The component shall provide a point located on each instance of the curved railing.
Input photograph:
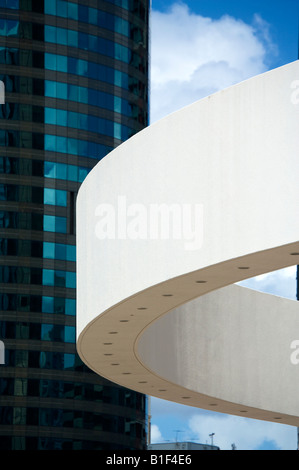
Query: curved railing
(167, 223)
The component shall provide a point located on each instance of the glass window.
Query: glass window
(50, 142)
(60, 251)
(70, 279)
(48, 277)
(50, 169)
(13, 4)
(69, 334)
(60, 225)
(72, 65)
(93, 96)
(54, 224)
(50, 7)
(62, 8)
(50, 34)
(50, 116)
(73, 119)
(117, 104)
(50, 88)
(73, 93)
(2, 27)
(61, 63)
(62, 36)
(72, 11)
(87, 122)
(61, 90)
(70, 306)
(61, 144)
(72, 147)
(83, 13)
(83, 41)
(72, 38)
(48, 305)
(49, 250)
(92, 43)
(82, 67)
(61, 117)
(72, 173)
(71, 252)
(92, 16)
(50, 61)
(52, 332)
(49, 196)
(55, 197)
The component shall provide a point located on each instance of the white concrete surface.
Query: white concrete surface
(145, 319)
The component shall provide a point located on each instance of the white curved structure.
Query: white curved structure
(159, 313)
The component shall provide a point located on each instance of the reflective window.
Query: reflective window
(53, 277)
(88, 96)
(9, 28)
(59, 305)
(13, 4)
(82, 67)
(59, 251)
(54, 224)
(93, 15)
(55, 197)
(87, 122)
(51, 360)
(76, 147)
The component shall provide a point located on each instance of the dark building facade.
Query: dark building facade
(76, 81)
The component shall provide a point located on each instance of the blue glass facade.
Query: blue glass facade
(76, 81)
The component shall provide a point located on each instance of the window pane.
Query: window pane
(71, 252)
(49, 250)
(50, 61)
(70, 307)
(50, 34)
(54, 224)
(61, 198)
(49, 196)
(60, 224)
(60, 251)
(72, 38)
(72, 173)
(50, 88)
(69, 334)
(72, 11)
(61, 90)
(49, 170)
(50, 7)
(62, 36)
(61, 171)
(50, 142)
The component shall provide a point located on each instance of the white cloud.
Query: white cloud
(156, 435)
(193, 56)
(281, 283)
(246, 434)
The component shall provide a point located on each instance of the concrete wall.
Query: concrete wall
(231, 160)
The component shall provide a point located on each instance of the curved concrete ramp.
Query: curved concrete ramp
(167, 223)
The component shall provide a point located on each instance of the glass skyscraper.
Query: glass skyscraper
(76, 81)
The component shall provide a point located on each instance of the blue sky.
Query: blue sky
(197, 48)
